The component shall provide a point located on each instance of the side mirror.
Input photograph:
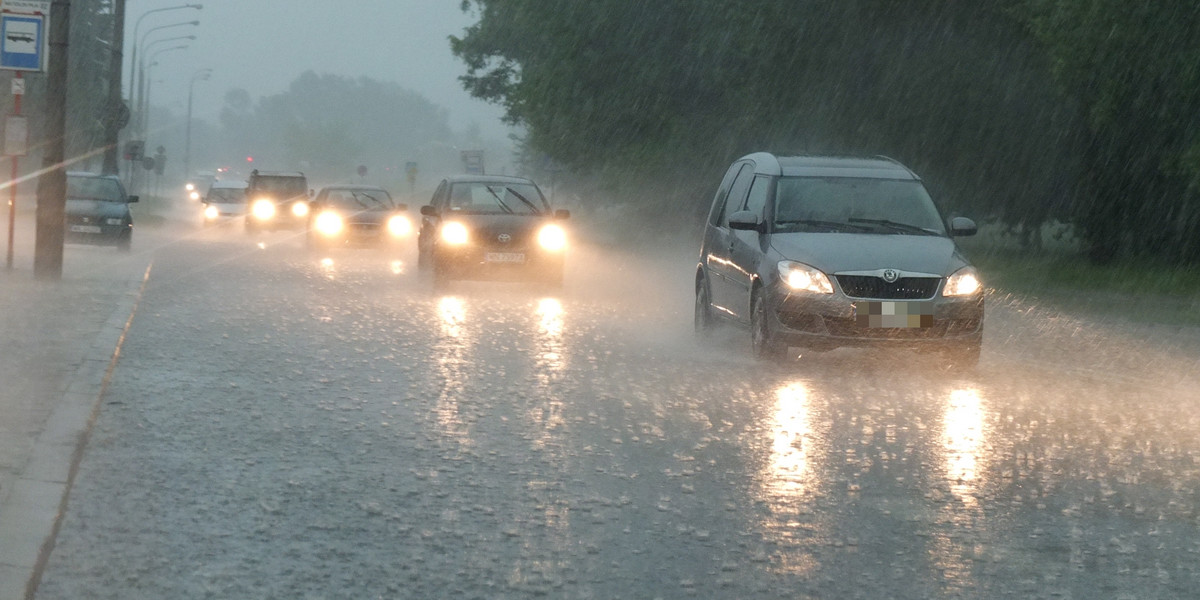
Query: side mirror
(131, 199)
(562, 214)
(962, 227)
(429, 211)
(744, 220)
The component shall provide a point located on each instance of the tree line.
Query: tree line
(1018, 112)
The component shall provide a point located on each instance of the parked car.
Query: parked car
(97, 210)
(278, 200)
(356, 215)
(821, 252)
(489, 227)
(225, 202)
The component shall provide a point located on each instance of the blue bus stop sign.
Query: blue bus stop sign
(23, 45)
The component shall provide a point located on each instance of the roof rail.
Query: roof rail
(897, 163)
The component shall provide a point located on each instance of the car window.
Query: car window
(717, 215)
(756, 201)
(865, 204)
(95, 188)
(226, 195)
(737, 193)
(496, 198)
(359, 199)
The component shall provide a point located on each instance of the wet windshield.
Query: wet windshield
(226, 195)
(94, 188)
(483, 198)
(359, 199)
(855, 205)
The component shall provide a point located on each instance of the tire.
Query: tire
(702, 319)
(762, 339)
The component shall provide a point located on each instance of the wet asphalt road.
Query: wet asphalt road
(287, 424)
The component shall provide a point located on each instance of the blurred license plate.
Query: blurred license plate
(505, 257)
(85, 229)
(893, 314)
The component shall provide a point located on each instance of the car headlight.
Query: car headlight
(300, 209)
(963, 282)
(194, 195)
(803, 278)
(211, 212)
(113, 221)
(399, 225)
(329, 223)
(263, 209)
(454, 233)
(191, 187)
(552, 238)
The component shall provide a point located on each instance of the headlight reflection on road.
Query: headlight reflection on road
(549, 312)
(397, 267)
(962, 438)
(450, 354)
(452, 314)
(328, 267)
(789, 453)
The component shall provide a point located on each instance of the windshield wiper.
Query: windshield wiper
(356, 196)
(836, 225)
(531, 205)
(507, 208)
(894, 226)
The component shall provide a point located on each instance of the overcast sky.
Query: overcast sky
(263, 45)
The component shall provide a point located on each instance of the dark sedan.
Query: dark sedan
(98, 210)
(491, 227)
(356, 215)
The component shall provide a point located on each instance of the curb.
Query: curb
(36, 504)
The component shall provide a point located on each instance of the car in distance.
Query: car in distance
(356, 215)
(491, 227)
(225, 202)
(278, 200)
(822, 252)
(97, 210)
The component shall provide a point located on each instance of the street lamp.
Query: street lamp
(141, 84)
(133, 59)
(145, 116)
(201, 75)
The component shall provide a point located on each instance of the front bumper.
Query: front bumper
(836, 320)
(92, 233)
(504, 263)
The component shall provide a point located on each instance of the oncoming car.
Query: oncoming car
(357, 215)
(278, 200)
(822, 252)
(224, 202)
(98, 210)
(485, 227)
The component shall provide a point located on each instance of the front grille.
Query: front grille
(905, 288)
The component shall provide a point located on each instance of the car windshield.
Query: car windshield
(94, 188)
(359, 199)
(226, 195)
(856, 205)
(286, 187)
(497, 198)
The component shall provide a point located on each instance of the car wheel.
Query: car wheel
(702, 320)
(762, 339)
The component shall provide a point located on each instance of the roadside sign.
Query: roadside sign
(23, 39)
(18, 86)
(16, 135)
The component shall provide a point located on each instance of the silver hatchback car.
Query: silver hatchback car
(821, 252)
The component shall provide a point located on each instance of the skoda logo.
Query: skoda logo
(504, 238)
(891, 275)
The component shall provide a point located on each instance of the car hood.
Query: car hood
(491, 225)
(97, 208)
(848, 252)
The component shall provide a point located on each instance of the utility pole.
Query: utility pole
(118, 113)
(52, 184)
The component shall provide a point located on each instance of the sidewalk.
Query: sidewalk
(57, 341)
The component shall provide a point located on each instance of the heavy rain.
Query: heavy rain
(605, 299)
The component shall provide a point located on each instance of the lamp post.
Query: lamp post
(201, 75)
(133, 62)
(141, 83)
(145, 113)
